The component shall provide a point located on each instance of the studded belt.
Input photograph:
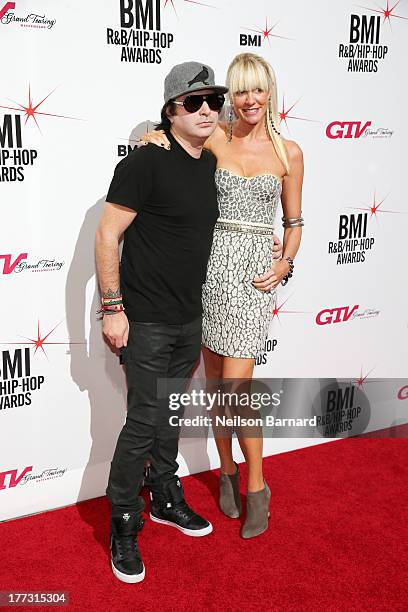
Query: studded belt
(235, 225)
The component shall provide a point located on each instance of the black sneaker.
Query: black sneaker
(126, 562)
(170, 508)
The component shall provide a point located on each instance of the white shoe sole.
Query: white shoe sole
(127, 577)
(195, 533)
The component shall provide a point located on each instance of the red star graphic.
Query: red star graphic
(278, 310)
(172, 4)
(387, 12)
(374, 208)
(166, 2)
(284, 113)
(40, 341)
(267, 32)
(31, 111)
(362, 379)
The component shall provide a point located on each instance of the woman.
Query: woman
(256, 169)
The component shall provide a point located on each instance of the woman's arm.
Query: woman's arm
(159, 138)
(292, 198)
(291, 204)
(210, 143)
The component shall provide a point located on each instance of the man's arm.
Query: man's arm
(115, 219)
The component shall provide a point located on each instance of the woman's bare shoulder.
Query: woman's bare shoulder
(295, 153)
(222, 128)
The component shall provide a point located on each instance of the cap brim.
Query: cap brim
(217, 88)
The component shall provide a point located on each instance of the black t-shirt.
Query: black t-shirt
(166, 248)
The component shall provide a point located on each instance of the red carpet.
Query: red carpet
(337, 540)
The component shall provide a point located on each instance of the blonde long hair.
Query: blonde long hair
(250, 71)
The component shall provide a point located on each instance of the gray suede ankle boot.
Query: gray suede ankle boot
(230, 499)
(257, 513)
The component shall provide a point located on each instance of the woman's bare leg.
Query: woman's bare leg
(213, 370)
(251, 447)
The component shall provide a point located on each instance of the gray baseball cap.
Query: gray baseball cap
(188, 77)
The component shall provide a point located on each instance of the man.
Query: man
(165, 204)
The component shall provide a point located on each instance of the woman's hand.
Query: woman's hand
(272, 277)
(156, 137)
(277, 247)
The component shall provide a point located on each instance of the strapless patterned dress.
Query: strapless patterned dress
(236, 315)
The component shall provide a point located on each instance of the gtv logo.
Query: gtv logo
(346, 129)
(9, 265)
(403, 393)
(335, 315)
(7, 7)
(13, 479)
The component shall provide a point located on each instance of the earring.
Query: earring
(271, 118)
(230, 119)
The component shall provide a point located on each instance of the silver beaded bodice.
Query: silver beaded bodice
(247, 199)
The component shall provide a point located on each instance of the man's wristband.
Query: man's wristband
(111, 307)
(112, 312)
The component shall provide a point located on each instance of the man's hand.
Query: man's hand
(277, 248)
(116, 329)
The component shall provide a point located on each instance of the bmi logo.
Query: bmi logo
(342, 410)
(140, 37)
(353, 237)
(137, 132)
(259, 35)
(353, 240)
(16, 382)
(269, 346)
(14, 158)
(364, 51)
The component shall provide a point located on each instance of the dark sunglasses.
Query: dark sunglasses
(194, 102)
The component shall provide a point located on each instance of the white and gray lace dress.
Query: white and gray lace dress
(236, 315)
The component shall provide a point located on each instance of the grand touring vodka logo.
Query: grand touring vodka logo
(29, 20)
(17, 264)
(9, 479)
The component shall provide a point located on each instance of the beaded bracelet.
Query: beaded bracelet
(111, 308)
(290, 273)
(112, 312)
(111, 300)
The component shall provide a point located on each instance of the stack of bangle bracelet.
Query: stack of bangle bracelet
(290, 273)
(111, 305)
(292, 221)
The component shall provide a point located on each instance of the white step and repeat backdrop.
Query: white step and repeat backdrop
(79, 82)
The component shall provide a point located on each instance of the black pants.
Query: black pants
(154, 351)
